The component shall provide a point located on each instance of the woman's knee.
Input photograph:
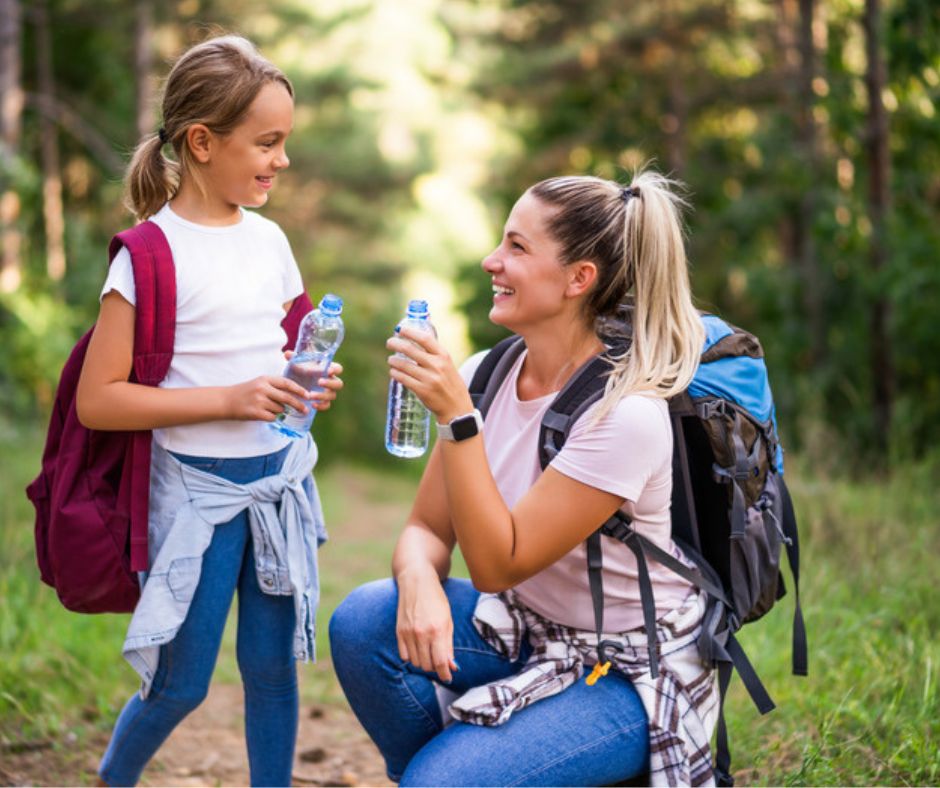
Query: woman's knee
(364, 618)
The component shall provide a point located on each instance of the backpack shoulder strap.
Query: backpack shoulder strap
(154, 335)
(291, 323)
(583, 389)
(492, 371)
(155, 286)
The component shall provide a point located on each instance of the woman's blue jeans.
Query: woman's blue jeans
(582, 736)
(264, 650)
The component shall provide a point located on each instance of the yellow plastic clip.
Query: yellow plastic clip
(599, 670)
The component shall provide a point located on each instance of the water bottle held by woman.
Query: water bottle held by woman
(318, 339)
(408, 423)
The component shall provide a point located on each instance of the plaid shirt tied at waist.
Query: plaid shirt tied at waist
(682, 702)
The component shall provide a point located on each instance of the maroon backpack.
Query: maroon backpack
(92, 495)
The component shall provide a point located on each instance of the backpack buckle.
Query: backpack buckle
(599, 671)
(602, 667)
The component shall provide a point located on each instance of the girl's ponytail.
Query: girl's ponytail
(151, 178)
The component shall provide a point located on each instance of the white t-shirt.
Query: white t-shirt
(602, 456)
(231, 286)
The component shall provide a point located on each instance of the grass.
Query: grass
(868, 714)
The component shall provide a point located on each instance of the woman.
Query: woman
(575, 253)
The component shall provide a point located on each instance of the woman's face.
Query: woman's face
(529, 281)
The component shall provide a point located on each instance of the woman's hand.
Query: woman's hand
(425, 628)
(430, 373)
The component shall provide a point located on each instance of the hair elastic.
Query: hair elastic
(629, 191)
(164, 137)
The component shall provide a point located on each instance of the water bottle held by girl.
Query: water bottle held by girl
(318, 339)
(408, 423)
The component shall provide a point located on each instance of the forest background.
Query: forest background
(807, 133)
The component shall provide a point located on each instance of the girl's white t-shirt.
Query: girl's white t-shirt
(627, 453)
(231, 286)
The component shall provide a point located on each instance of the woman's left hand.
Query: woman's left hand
(430, 373)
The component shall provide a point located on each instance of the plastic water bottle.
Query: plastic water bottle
(408, 423)
(318, 339)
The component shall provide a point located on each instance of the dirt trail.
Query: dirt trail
(208, 748)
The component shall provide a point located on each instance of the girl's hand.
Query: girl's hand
(332, 385)
(432, 376)
(425, 628)
(264, 398)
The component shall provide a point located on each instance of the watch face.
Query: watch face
(464, 427)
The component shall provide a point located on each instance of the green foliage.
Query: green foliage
(710, 92)
(386, 179)
(38, 331)
(343, 202)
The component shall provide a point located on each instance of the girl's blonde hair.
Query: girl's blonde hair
(213, 83)
(634, 235)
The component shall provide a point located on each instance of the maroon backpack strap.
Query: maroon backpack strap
(155, 284)
(291, 322)
(154, 335)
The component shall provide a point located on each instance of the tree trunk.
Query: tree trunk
(11, 118)
(812, 280)
(798, 68)
(143, 66)
(673, 122)
(876, 143)
(49, 147)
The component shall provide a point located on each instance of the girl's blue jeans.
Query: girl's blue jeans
(264, 650)
(582, 736)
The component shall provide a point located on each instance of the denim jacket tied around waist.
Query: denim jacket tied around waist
(185, 505)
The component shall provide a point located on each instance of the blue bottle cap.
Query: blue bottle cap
(331, 305)
(417, 308)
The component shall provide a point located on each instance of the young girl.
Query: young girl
(574, 253)
(232, 502)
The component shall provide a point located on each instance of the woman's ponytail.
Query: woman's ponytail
(151, 178)
(634, 235)
(667, 333)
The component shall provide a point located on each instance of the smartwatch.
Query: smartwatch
(462, 427)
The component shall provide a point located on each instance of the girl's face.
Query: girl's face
(529, 281)
(244, 163)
